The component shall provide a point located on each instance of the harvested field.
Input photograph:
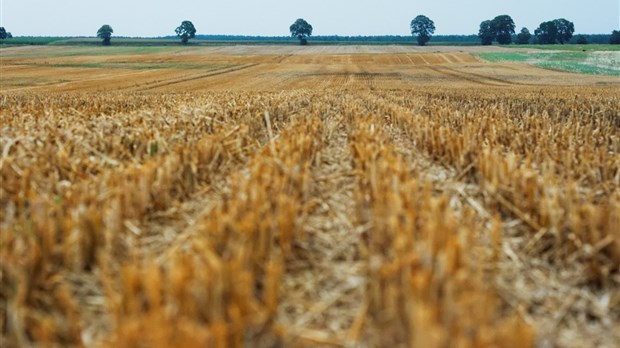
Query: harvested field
(265, 69)
(284, 196)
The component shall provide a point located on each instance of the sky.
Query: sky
(148, 18)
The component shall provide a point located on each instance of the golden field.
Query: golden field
(305, 196)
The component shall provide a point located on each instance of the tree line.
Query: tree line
(500, 29)
(5, 34)
(376, 39)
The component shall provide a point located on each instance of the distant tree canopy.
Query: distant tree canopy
(614, 39)
(523, 38)
(546, 33)
(503, 28)
(601, 39)
(500, 29)
(105, 33)
(486, 33)
(423, 28)
(558, 30)
(332, 39)
(565, 30)
(581, 40)
(3, 33)
(301, 30)
(185, 31)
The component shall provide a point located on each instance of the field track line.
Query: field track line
(197, 77)
(67, 83)
(471, 77)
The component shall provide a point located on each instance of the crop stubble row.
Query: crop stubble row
(84, 176)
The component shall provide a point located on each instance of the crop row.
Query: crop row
(85, 177)
(553, 162)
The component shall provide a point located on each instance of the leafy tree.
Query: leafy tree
(523, 38)
(105, 33)
(546, 33)
(503, 27)
(423, 27)
(3, 34)
(301, 30)
(565, 30)
(9, 35)
(486, 33)
(615, 37)
(185, 31)
(558, 30)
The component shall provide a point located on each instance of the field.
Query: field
(586, 62)
(332, 196)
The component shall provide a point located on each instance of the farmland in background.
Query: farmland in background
(223, 40)
(580, 61)
(328, 196)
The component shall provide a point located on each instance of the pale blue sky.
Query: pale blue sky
(273, 17)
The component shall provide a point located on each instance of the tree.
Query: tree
(565, 30)
(105, 33)
(546, 33)
(558, 30)
(486, 33)
(423, 27)
(9, 35)
(185, 31)
(523, 38)
(3, 34)
(503, 27)
(614, 39)
(301, 30)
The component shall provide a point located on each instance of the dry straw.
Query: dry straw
(178, 220)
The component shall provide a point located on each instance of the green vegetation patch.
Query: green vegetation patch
(588, 62)
(594, 47)
(504, 57)
(26, 40)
